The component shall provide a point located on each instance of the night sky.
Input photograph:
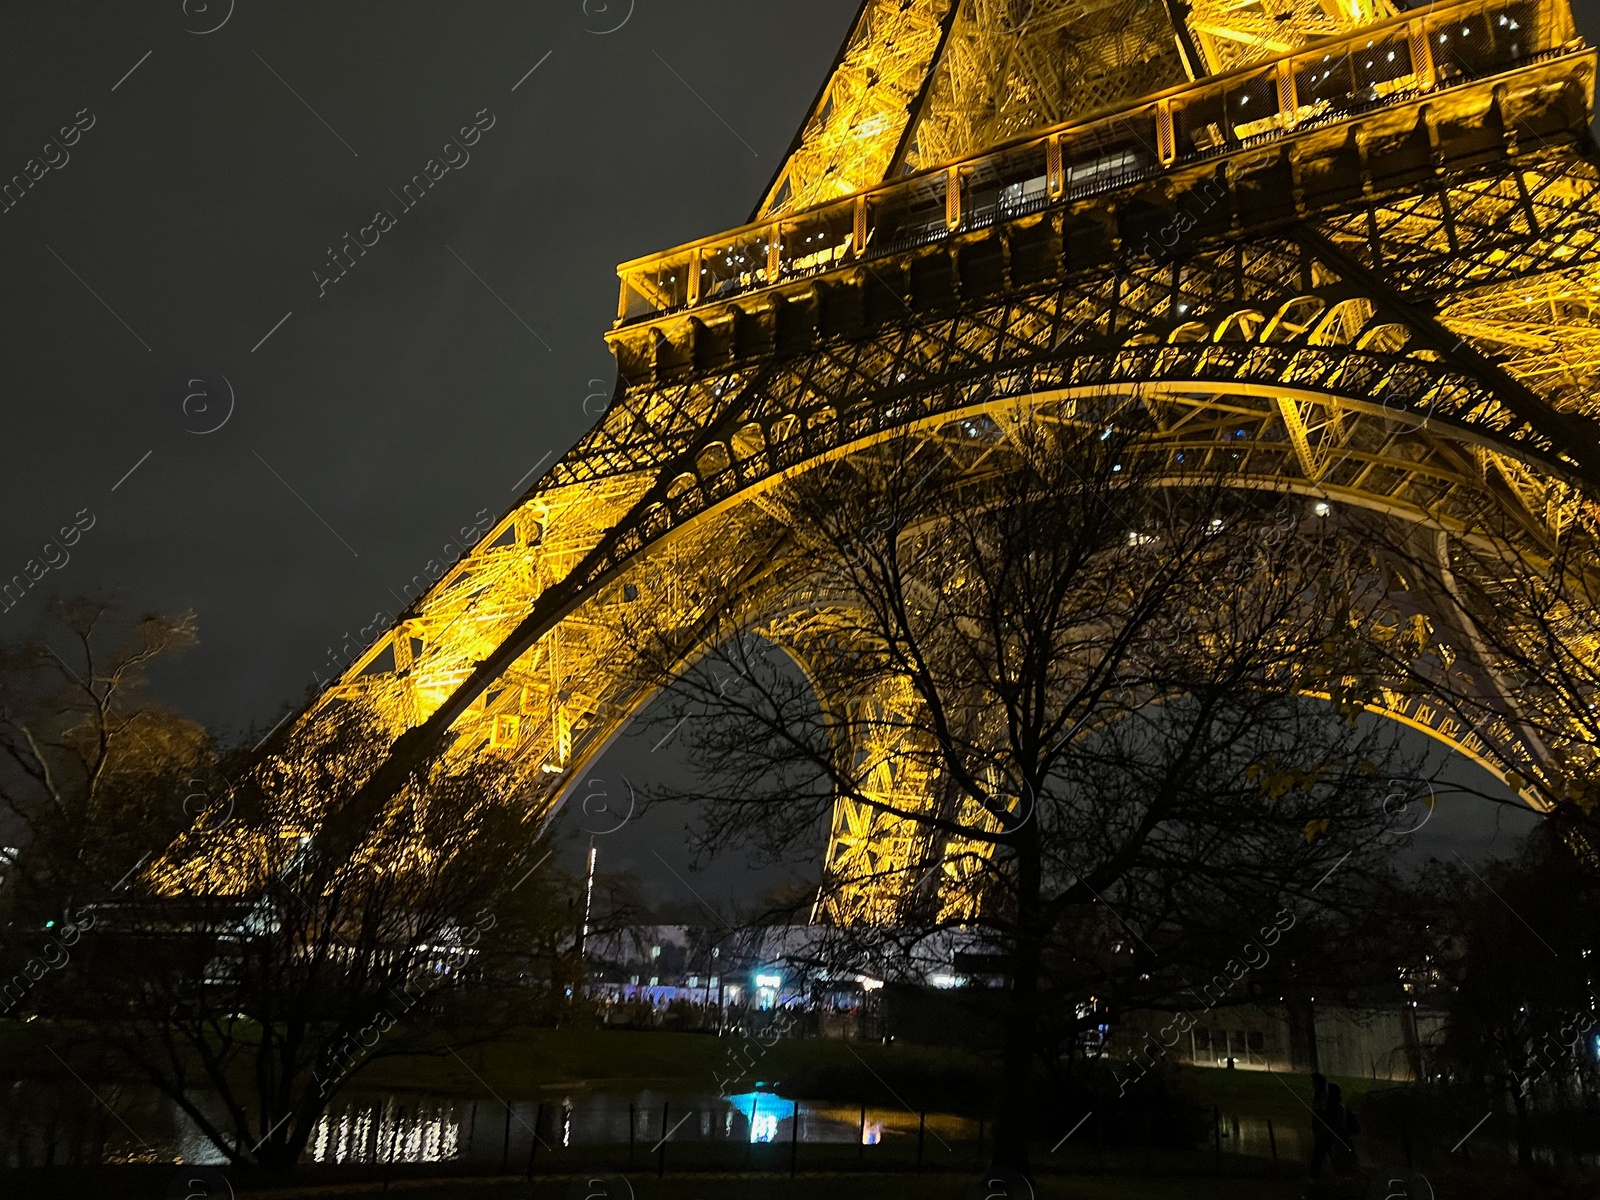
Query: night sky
(382, 416)
(175, 255)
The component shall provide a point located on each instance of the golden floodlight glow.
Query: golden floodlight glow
(1349, 252)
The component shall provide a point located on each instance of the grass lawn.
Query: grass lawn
(520, 1065)
(525, 1062)
(531, 1059)
(1198, 1183)
(829, 1187)
(1267, 1094)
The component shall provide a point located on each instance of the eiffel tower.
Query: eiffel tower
(1352, 251)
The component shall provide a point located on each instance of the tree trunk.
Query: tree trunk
(1519, 1100)
(1022, 1012)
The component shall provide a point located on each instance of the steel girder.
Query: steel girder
(1393, 310)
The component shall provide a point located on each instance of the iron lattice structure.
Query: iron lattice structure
(1335, 249)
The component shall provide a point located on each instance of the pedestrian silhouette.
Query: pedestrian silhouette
(1321, 1131)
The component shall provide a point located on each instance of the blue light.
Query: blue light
(764, 1112)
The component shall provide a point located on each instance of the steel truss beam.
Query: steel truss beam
(1394, 310)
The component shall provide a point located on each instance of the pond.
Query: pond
(47, 1122)
(41, 1123)
(421, 1129)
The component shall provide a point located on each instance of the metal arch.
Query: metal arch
(706, 523)
(1572, 439)
(877, 860)
(1436, 209)
(1400, 384)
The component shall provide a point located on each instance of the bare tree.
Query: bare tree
(184, 903)
(1512, 952)
(1044, 667)
(94, 773)
(253, 964)
(1509, 615)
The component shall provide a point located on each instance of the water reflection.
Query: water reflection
(38, 1127)
(1259, 1137)
(763, 1112)
(386, 1132)
(369, 1129)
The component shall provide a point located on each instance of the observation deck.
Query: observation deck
(1452, 87)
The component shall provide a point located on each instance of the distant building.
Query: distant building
(949, 988)
(712, 976)
(1370, 1039)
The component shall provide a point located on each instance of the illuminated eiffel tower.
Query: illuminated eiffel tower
(1356, 247)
